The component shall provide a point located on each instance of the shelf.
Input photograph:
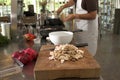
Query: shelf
(106, 14)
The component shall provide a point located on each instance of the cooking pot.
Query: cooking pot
(53, 19)
(54, 22)
(53, 15)
(44, 32)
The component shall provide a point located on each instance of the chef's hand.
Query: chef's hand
(60, 10)
(69, 17)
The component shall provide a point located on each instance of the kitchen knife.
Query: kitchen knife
(80, 44)
(75, 44)
(78, 30)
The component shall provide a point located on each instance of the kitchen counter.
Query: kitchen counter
(5, 59)
(27, 71)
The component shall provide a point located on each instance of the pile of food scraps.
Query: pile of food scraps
(66, 52)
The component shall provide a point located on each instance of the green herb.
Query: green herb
(3, 40)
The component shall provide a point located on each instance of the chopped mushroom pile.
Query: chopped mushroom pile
(66, 52)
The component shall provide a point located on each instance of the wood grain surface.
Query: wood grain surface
(46, 69)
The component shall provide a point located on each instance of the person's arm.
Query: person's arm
(91, 6)
(88, 16)
(68, 4)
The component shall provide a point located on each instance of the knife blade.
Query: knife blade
(80, 44)
(75, 44)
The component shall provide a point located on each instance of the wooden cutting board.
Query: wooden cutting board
(46, 69)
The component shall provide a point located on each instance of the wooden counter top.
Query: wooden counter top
(46, 69)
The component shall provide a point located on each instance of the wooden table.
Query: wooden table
(46, 69)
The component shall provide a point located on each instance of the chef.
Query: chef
(86, 19)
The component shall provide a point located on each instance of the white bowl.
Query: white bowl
(60, 37)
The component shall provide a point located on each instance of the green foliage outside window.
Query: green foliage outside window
(7, 2)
